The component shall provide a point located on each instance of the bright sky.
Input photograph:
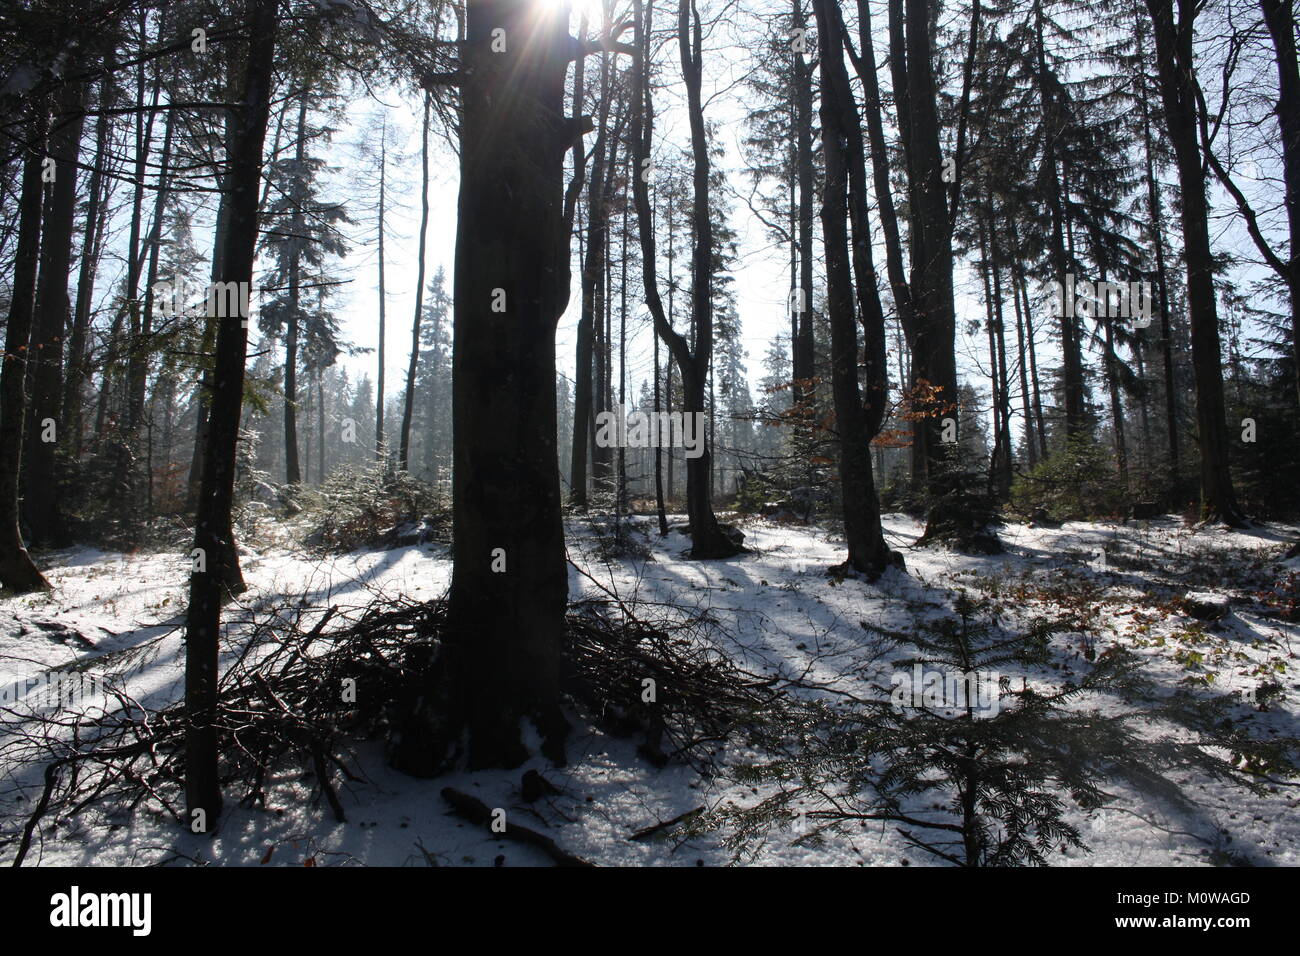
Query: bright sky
(761, 275)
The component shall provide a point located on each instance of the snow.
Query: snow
(1124, 584)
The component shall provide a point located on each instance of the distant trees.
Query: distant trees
(996, 150)
(302, 236)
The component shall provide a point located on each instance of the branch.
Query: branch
(477, 811)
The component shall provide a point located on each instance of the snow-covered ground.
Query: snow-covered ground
(1125, 584)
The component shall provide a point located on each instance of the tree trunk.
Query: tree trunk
(1022, 362)
(292, 468)
(593, 267)
(707, 538)
(855, 425)
(41, 499)
(17, 572)
(1174, 54)
(1279, 17)
(215, 570)
(803, 348)
(500, 662)
(1071, 353)
(91, 243)
(383, 303)
(208, 341)
(865, 64)
(1156, 226)
(934, 365)
(408, 410)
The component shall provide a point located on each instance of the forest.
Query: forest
(649, 433)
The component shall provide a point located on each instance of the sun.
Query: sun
(592, 10)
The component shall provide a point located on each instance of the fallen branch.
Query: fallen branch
(476, 811)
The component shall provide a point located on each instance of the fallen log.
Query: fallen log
(476, 811)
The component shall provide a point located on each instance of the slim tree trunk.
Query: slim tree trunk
(803, 349)
(1155, 215)
(209, 338)
(1279, 17)
(1001, 377)
(408, 411)
(1071, 353)
(1022, 363)
(593, 266)
(215, 567)
(292, 469)
(383, 299)
(320, 425)
(865, 64)
(17, 572)
(92, 239)
(707, 538)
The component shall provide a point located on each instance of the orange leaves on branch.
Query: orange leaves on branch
(924, 400)
(893, 438)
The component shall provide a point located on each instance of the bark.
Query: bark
(408, 411)
(292, 468)
(210, 582)
(1174, 56)
(208, 341)
(383, 299)
(593, 267)
(17, 572)
(1022, 364)
(1279, 17)
(1051, 119)
(155, 251)
(500, 661)
(844, 196)
(707, 539)
(1155, 214)
(933, 334)
(92, 239)
(41, 498)
(865, 63)
(803, 349)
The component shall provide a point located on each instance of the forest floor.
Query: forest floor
(778, 612)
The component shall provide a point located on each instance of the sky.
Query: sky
(761, 269)
(761, 274)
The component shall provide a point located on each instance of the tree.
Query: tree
(500, 662)
(707, 537)
(53, 311)
(933, 385)
(593, 290)
(404, 452)
(302, 235)
(213, 575)
(17, 571)
(1176, 70)
(845, 196)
